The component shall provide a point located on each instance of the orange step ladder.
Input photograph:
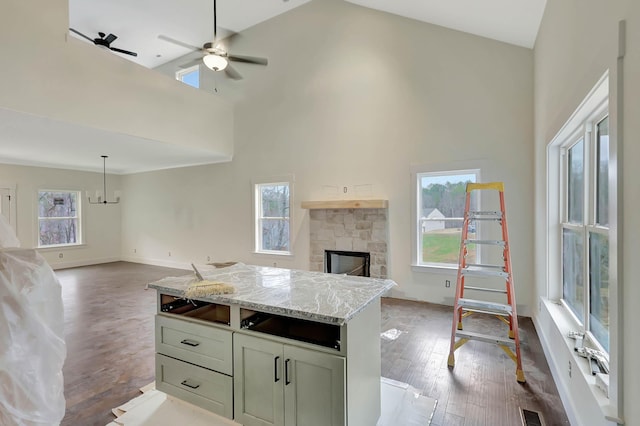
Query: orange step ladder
(463, 307)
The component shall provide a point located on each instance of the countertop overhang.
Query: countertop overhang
(316, 296)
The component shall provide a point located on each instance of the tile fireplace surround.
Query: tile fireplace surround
(349, 229)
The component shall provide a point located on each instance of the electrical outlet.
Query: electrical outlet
(135, 250)
(60, 255)
(169, 254)
(569, 368)
(447, 283)
(275, 265)
(208, 258)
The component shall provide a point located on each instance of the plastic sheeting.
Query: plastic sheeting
(32, 347)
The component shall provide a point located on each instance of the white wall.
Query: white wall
(577, 43)
(101, 224)
(48, 73)
(351, 96)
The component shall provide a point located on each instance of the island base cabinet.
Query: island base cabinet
(280, 384)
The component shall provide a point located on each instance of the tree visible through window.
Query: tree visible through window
(441, 200)
(58, 218)
(272, 211)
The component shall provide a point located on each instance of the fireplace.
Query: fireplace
(347, 262)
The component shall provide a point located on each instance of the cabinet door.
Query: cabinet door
(314, 388)
(258, 381)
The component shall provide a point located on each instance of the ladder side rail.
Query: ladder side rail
(513, 323)
(457, 311)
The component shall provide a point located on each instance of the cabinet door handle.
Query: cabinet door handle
(189, 385)
(286, 372)
(189, 342)
(275, 369)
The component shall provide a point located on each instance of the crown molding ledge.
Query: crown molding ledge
(345, 204)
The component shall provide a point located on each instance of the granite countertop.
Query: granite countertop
(327, 298)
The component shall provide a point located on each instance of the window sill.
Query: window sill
(435, 269)
(62, 247)
(565, 322)
(275, 253)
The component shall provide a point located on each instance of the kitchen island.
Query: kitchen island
(287, 347)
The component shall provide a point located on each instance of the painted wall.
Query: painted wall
(45, 68)
(577, 43)
(101, 224)
(351, 97)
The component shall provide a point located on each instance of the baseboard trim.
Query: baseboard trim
(156, 262)
(86, 262)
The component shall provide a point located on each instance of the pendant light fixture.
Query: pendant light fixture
(104, 185)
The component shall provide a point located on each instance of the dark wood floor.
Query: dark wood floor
(110, 353)
(481, 389)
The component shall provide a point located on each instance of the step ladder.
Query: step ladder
(463, 307)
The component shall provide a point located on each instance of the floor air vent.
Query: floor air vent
(531, 418)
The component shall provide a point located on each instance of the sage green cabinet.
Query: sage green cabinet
(281, 384)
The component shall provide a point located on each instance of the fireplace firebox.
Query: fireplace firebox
(347, 262)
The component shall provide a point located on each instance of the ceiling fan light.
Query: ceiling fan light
(215, 62)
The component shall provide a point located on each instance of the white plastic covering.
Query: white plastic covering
(32, 347)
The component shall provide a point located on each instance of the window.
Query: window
(585, 225)
(58, 218)
(190, 76)
(579, 202)
(441, 198)
(273, 207)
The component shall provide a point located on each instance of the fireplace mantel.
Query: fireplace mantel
(345, 204)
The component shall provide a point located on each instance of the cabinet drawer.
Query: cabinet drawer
(199, 386)
(203, 345)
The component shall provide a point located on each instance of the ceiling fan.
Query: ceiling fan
(104, 41)
(215, 57)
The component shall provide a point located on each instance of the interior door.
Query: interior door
(258, 381)
(6, 200)
(314, 390)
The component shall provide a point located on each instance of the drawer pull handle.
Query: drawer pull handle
(286, 372)
(275, 369)
(190, 343)
(189, 385)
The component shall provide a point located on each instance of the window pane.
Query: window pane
(599, 287)
(58, 231)
(602, 174)
(275, 234)
(191, 78)
(441, 198)
(572, 271)
(275, 200)
(575, 183)
(57, 204)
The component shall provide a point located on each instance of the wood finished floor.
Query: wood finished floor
(110, 353)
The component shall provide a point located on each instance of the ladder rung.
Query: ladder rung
(480, 270)
(484, 337)
(492, 290)
(485, 215)
(484, 307)
(489, 242)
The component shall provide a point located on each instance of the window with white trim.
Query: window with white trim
(581, 196)
(58, 218)
(439, 216)
(273, 221)
(190, 76)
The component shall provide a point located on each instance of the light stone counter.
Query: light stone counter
(327, 298)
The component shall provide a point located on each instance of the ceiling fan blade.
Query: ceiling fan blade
(110, 38)
(126, 52)
(80, 34)
(178, 42)
(232, 73)
(248, 59)
(191, 63)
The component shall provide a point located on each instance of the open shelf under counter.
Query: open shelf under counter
(197, 309)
